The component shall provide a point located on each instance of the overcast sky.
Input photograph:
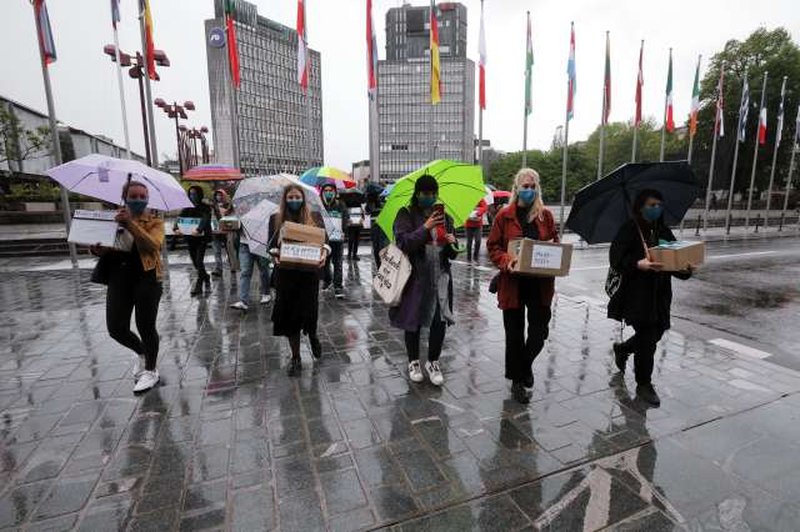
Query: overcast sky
(86, 94)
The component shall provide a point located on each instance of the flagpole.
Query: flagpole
(148, 95)
(638, 104)
(740, 136)
(775, 156)
(789, 175)
(480, 114)
(664, 124)
(755, 155)
(122, 94)
(713, 152)
(568, 115)
(600, 151)
(564, 175)
(527, 104)
(525, 140)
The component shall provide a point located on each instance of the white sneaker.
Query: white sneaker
(266, 299)
(415, 372)
(146, 381)
(434, 373)
(138, 366)
(239, 305)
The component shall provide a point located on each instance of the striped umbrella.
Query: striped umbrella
(322, 175)
(212, 172)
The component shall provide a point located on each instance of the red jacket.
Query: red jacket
(481, 209)
(506, 227)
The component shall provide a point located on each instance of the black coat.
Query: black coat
(644, 297)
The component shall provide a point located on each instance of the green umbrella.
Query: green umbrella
(460, 190)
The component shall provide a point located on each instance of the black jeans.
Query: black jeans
(435, 339)
(473, 238)
(197, 252)
(353, 232)
(643, 346)
(334, 262)
(378, 241)
(125, 294)
(520, 353)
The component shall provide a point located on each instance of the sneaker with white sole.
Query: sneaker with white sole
(239, 305)
(434, 373)
(146, 381)
(266, 299)
(138, 367)
(415, 372)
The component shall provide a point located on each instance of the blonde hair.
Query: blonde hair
(538, 205)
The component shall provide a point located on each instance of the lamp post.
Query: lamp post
(198, 134)
(175, 111)
(138, 71)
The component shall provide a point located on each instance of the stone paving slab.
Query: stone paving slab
(229, 442)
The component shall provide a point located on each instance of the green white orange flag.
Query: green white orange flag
(669, 111)
(695, 100)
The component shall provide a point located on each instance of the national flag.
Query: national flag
(233, 47)
(482, 64)
(797, 127)
(572, 83)
(528, 68)
(150, 47)
(670, 118)
(436, 76)
(719, 119)
(115, 17)
(607, 82)
(46, 43)
(779, 121)
(302, 46)
(762, 126)
(744, 110)
(695, 101)
(372, 54)
(637, 119)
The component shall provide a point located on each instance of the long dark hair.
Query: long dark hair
(303, 216)
(425, 183)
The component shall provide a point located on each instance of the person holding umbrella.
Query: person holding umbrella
(426, 235)
(198, 239)
(645, 295)
(337, 211)
(296, 291)
(134, 283)
(524, 216)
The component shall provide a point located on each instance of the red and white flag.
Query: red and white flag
(762, 126)
(637, 119)
(372, 54)
(302, 46)
(482, 64)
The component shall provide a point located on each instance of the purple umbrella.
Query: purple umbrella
(102, 177)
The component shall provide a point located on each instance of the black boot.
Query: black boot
(295, 367)
(316, 347)
(528, 382)
(520, 394)
(207, 283)
(197, 289)
(620, 356)
(648, 394)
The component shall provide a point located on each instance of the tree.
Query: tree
(17, 142)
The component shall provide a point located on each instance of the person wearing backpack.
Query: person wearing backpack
(426, 235)
(524, 216)
(644, 294)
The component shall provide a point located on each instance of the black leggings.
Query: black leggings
(197, 252)
(520, 353)
(353, 232)
(126, 294)
(435, 339)
(643, 346)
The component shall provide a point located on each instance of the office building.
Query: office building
(263, 127)
(412, 131)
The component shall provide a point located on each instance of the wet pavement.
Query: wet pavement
(229, 442)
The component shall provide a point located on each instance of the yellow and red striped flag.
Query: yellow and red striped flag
(150, 47)
(436, 76)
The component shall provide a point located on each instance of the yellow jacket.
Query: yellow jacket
(148, 232)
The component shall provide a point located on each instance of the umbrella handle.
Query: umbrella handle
(126, 187)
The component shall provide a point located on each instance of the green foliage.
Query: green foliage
(33, 191)
(17, 142)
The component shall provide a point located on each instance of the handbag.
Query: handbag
(102, 270)
(613, 282)
(392, 276)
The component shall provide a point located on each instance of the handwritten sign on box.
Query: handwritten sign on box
(546, 257)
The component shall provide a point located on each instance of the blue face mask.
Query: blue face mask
(652, 213)
(527, 195)
(294, 204)
(136, 207)
(329, 196)
(426, 202)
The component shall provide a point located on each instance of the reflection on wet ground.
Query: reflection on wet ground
(229, 442)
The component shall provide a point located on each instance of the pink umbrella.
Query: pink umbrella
(102, 177)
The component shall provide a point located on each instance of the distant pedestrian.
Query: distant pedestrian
(377, 237)
(222, 207)
(426, 235)
(524, 216)
(134, 283)
(354, 226)
(338, 213)
(296, 307)
(644, 296)
(197, 241)
(474, 227)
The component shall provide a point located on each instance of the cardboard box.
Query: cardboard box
(540, 259)
(676, 256)
(306, 234)
(295, 255)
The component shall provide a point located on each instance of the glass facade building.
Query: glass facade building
(263, 127)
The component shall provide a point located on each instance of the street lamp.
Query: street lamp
(198, 134)
(137, 71)
(176, 111)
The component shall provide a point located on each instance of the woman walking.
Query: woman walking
(337, 211)
(296, 291)
(425, 234)
(134, 283)
(644, 296)
(524, 216)
(198, 239)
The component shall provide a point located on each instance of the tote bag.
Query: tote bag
(391, 278)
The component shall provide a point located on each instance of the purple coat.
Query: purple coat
(412, 237)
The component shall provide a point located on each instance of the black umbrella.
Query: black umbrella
(600, 209)
(352, 197)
